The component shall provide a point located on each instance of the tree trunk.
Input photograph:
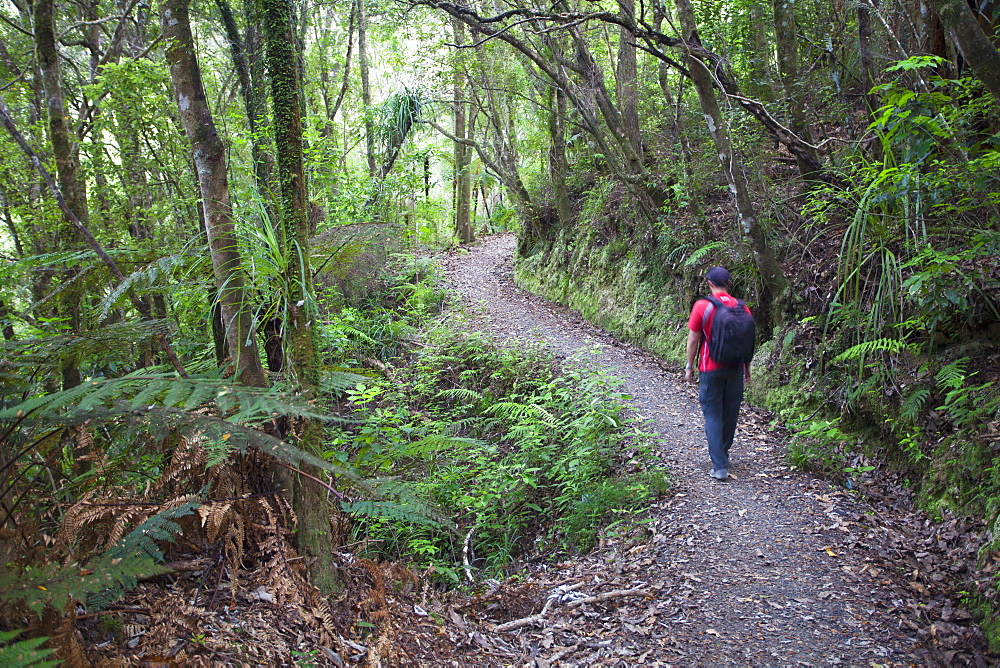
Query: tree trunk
(627, 90)
(976, 47)
(210, 166)
(68, 175)
(463, 155)
(558, 163)
(252, 104)
(767, 265)
(785, 31)
(309, 500)
(366, 91)
(761, 75)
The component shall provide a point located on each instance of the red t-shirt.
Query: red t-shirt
(696, 323)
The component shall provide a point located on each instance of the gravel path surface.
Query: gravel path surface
(771, 568)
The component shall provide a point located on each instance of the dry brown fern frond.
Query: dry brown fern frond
(375, 601)
(90, 512)
(68, 644)
(188, 462)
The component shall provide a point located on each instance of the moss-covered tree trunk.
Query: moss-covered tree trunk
(68, 174)
(209, 158)
(309, 500)
(976, 47)
(366, 91)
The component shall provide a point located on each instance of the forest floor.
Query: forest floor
(774, 567)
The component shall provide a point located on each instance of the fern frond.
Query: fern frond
(388, 510)
(462, 393)
(23, 653)
(143, 391)
(696, 255)
(511, 410)
(436, 442)
(952, 375)
(139, 281)
(339, 381)
(866, 348)
(913, 403)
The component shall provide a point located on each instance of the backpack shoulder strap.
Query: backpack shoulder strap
(713, 303)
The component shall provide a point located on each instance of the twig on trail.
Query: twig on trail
(618, 593)
(541, 616)
(566, 651)
(518, 623)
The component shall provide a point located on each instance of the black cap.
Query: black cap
(718, 276)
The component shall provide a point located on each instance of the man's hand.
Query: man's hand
(689, 375)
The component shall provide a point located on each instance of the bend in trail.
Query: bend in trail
(761, 570)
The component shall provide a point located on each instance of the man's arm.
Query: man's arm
(694, 342)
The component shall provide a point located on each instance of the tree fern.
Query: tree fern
(23, 653)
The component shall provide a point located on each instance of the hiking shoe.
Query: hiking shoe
(720, 474)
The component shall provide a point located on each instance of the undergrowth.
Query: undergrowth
(519, 454)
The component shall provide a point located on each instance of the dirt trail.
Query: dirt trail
(771, 568)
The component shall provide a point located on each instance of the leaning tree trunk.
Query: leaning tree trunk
(210, 164)
(309, 500)
(976, 47)
(767, 265)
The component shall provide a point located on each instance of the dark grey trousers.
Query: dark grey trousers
(720, 394)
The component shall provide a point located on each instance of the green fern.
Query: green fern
(510, 410)
(139, 281)
(23, 653)
(101, 580)
(913, 403)
(144, 390)
(391, 510)
(695, 257)
(56, 585)
(460, 393)
(141, 545)
(394, 499)
(952, 376)
(866, 348)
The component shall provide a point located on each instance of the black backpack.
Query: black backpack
(733, 331)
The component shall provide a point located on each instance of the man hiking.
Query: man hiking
(721, 340)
